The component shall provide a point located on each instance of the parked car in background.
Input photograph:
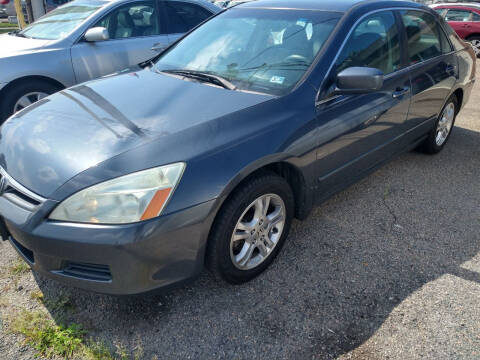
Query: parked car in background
(87, 39)
(9, 7)
(53, 4)
(3, 12)
(464, 19)
(135, 181)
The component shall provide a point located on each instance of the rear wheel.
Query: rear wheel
(251, 228)
(24, 94)
(440, 134)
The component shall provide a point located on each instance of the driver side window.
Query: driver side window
(374, 43)
(132, 20)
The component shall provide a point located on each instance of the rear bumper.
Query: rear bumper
(117, 259)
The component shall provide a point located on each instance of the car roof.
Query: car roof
(475, 5)
(325, 5)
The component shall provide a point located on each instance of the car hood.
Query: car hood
(48, 143)
(12, 45)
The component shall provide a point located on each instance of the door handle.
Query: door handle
(400, 92)
(158, 47)
(450, 69)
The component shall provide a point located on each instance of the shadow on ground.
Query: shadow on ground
(340, 275)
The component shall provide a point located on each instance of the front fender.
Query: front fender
(50, 63)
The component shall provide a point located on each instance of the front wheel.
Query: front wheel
(440, 134)
(251, 228)
(24, 94)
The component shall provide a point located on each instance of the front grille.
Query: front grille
(87, 271)
(17, 194)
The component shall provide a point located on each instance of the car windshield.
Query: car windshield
(60, 22)
(258, 50)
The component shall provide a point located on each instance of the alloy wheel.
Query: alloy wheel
(445, 124)
(476, 46)
(28, 99)
(258, 231)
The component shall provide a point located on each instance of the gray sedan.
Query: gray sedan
(87, 39)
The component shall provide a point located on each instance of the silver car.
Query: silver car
(87, 39)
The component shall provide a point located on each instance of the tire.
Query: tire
(432, 145)
(475, 41)
(17, 91)
(223, 252)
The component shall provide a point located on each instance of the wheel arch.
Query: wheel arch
(22, 79)
(459, 95)
(284, 166)
(470, 36)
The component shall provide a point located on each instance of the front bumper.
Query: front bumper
(113, 259)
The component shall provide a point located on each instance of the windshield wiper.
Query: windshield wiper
(203, 76)
(279, 66)
(16, 33)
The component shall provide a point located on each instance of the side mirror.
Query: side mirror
(359, 80)
(96, 34)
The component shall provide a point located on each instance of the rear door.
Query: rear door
(182, 16)
(366, 127)
(136, 34)
(432, 66)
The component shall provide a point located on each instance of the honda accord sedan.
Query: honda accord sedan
(135, 182)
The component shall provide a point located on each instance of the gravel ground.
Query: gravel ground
(389, 268)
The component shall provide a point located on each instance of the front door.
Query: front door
(136, 35)
(365, 126)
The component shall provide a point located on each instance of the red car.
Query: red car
(465, 20)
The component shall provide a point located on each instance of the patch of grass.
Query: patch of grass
(59, 304)
(121, 352)
(96, 350)
(37, 295)
(20, 267)
(69, 342)
(46, 337)
(8, 25)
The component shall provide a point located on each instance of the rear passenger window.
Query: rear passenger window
(374, 43)
(425, 38)
(183, 16)
(475, 17)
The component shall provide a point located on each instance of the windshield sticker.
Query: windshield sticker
(277, 79)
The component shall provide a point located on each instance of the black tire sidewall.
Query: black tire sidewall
(14, 93)
(431, 144)
(221, 263)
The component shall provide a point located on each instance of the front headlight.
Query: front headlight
(126, 199)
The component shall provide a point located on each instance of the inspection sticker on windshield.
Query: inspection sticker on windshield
(277, 79)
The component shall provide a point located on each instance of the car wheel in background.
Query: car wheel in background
(250, 229)
(440, 134)
(475, 41)
(23, 94)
